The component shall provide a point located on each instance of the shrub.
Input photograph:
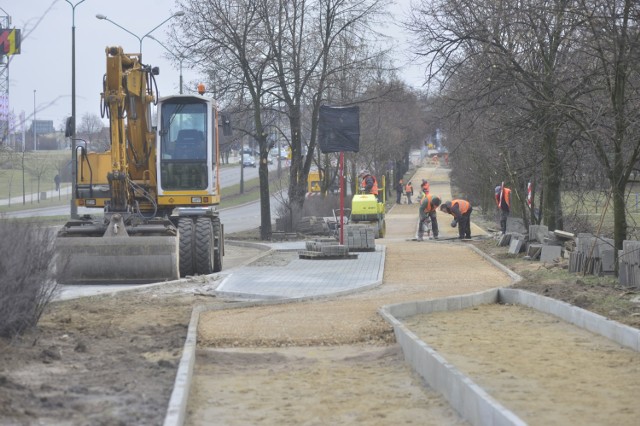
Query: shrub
(27, 281)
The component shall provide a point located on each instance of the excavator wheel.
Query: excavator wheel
(218, 234)
(185, 233)
(204, 249)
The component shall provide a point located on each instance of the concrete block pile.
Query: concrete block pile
(629, 264)
(587, 253)
(325, 248)
(312, 225)
(592, 255)
(537, 244)
(360, 237)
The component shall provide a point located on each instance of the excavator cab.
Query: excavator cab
(185, 124)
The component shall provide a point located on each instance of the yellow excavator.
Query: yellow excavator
(157, 186)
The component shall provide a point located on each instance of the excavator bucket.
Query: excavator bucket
(116, 257)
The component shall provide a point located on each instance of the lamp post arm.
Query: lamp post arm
(73, 11)
(119, 26)
(156, 27)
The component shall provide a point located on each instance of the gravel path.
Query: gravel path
(323, 350)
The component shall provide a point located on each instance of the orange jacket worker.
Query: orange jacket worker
(461, 212)
(428, 212)
(368, 183)
(503, 201)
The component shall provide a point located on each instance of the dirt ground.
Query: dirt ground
(111, 360)
(543, 369)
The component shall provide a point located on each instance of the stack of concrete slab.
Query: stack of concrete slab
(539, 243)
(629, 264)
(592, 255)
(360, 237)
(325, 248)
(312, 225)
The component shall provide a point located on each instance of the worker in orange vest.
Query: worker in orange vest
(368, 183)
(428, 213)
(503, 201)
(461, 212)
(408, 191)
(425, 186)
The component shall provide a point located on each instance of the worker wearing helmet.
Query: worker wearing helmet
(368, 183)
(428, 213)
(461, 212)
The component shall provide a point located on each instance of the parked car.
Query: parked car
(248, 160)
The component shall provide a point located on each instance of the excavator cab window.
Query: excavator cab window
(183, 145)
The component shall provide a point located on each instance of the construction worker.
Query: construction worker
(399, 191)
(425, 186)
(408, 191)
(503, 201)
(461, 212)
(428, 212)
(368, 183)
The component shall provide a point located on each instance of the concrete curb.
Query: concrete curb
(467, 398)
(178, 402)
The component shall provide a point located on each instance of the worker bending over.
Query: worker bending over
(461, 212)
(428, 213)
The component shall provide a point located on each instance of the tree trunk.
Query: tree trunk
(551, 195)
(265, 200)
(297, 179)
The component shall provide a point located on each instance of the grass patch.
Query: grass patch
(40, 167)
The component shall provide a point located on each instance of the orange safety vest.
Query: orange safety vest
(463, 205)
(429, 207)
(374, 188)
(506, 196)
(408, 189)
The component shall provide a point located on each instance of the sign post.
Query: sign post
(339, 131)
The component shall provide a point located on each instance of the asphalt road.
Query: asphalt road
(245, 218)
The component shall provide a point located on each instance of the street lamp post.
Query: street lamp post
(74, 162)
(35, 134)
(180, 57)
(103, 17)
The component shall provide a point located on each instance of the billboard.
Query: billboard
(9, 42)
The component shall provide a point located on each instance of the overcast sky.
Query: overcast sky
(44, 64)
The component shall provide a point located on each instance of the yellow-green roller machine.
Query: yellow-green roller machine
(369, 209)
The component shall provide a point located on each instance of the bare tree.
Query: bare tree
(27, 283)
(91, 128)
(38, 168)
(227, 37)
(303, 37)
(524, 45)
(608, 114)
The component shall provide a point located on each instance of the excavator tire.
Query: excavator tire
(187, 241)
(218, 234)
(204, 248)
